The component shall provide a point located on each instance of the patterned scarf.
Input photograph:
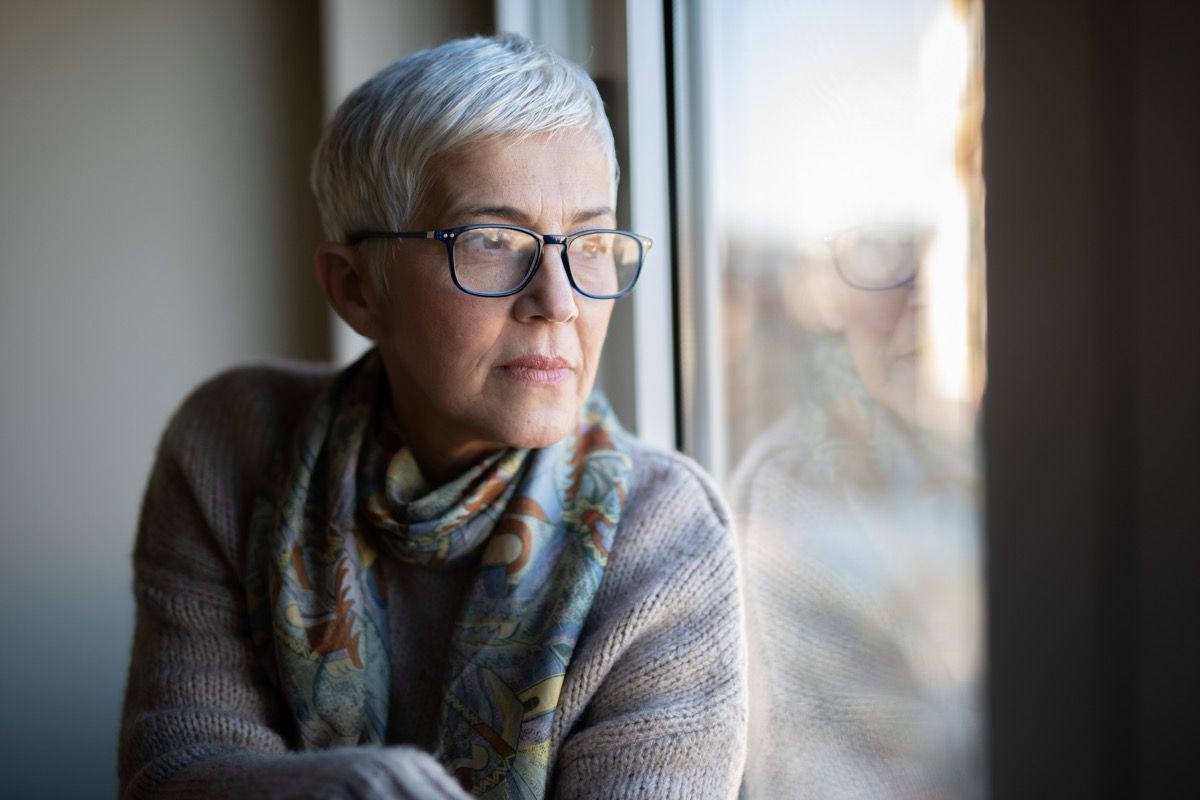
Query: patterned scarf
(540, 522)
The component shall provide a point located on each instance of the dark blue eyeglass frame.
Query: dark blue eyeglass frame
(448, 236)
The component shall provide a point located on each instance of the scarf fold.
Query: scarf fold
(541, 524)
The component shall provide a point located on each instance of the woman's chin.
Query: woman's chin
(537, 414)
(540, 427)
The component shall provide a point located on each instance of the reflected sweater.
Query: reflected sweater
(654, 699)
(861, 559)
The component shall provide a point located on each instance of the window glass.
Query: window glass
(832, 156)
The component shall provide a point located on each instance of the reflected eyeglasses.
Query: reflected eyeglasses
(879, 257)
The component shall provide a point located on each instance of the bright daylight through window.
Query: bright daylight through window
(833, 371)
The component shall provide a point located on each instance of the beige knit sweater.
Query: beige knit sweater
(654, 700)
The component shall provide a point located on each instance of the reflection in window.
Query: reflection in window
(846, 194)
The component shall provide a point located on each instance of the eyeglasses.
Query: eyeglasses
(879, 257)
(501, 260)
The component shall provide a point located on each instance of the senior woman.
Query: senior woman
(445, 571)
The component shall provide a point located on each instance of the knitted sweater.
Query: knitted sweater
(860, 553)
(654, 699)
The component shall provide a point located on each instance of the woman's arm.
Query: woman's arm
(200, 717)
(668, 714)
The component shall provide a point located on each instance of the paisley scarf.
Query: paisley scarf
(540, 522)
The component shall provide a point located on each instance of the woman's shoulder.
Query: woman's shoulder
(253, 387)
(248, 406)
(674, 511)
(785, 448)
(216, 455)
(231, 431)
(670, 478)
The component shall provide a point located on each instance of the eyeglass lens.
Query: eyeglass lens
(497, 260)
(878, 259)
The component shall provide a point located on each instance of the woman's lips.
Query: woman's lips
(538, 369)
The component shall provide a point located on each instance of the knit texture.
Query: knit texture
(860, 574)
(653, 703)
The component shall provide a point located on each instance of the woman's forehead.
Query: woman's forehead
(576, 216)
(565, 174)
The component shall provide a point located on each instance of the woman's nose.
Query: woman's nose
(549, 295)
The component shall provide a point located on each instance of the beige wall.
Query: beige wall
(155, 226)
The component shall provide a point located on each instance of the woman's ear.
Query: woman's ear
(343, 275)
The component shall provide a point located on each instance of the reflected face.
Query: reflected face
(881, 333)
(470, 375)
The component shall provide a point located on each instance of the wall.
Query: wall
(155, 226)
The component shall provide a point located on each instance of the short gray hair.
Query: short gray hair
(371, 167)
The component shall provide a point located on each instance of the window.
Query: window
(831, 314)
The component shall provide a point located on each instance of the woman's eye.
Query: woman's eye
(591, 247)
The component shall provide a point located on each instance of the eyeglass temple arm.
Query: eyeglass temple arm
(359, 236)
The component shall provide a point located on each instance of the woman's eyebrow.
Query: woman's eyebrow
(516, 216)
(594, 213)
(504, 212)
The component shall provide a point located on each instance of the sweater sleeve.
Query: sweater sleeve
(200, 717)
(668, 716)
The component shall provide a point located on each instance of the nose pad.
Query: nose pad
(560, 262)
(549, 294)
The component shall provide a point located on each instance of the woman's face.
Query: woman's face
(470, 375)
(880, 330)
